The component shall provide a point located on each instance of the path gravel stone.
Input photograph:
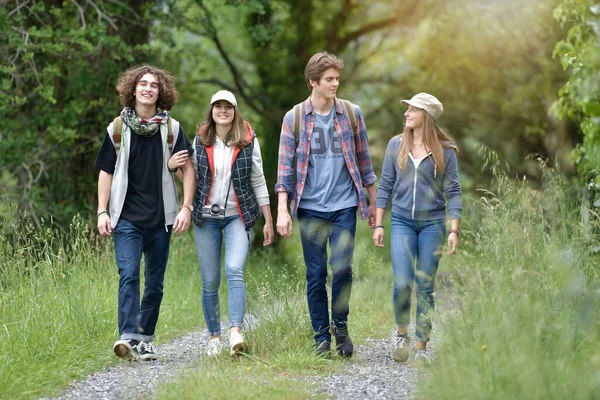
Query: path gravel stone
(137, 379)
(370, 374)
(373, 374)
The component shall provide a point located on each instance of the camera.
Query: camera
(214, 211)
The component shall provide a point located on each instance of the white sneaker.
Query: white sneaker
(236, 343)
(215, 346)
(126, 349)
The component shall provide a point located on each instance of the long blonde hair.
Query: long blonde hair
(435, 140)
(237, 135)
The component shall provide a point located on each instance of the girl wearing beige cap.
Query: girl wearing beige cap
(231, 195)
(420, 180)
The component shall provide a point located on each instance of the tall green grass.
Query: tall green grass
(528, 299)
(58, 310)
(58, 303)
(281, 362)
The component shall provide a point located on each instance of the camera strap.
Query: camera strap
(228, 189)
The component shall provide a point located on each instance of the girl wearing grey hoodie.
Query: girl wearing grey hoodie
(420, 180)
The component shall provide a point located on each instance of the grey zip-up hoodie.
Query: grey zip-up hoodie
(419, 194)
(118, 190)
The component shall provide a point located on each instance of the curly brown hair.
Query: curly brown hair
(167, 95)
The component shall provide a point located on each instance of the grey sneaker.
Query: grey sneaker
(126, 349)
(423, 356)
(146, 351)
(400, 353)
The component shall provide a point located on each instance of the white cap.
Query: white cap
(427, 102)
(224, 95)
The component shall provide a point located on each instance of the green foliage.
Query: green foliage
(526, 291)
(490, 64)
(579, 53)
(59, 72)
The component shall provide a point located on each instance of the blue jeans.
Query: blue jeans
(139, 321)
(209, 240)
(316, 229)
(415, 244)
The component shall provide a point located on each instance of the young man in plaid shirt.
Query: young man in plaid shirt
(323, 166)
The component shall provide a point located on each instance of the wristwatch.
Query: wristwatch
(188, 206)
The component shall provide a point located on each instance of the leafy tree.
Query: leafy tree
(579, 53)
(258, 49)
(60, 62)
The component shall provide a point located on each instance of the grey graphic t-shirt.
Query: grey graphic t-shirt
(329, 186)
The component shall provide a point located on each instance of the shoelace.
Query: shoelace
(401, 341)
(146, 347)
(214, 343)
(422, 353)
(340, 330)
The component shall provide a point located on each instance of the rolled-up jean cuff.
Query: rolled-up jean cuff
(137, 336)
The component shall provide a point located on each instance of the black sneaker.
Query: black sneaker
(343, 343)
(146, 351)
(126, 349)
(323, 348)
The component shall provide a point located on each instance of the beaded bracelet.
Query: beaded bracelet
(378, 226)
(100, 213)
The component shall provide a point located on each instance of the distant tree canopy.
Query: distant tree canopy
(490, 63)
(59, 68)
(579, 54)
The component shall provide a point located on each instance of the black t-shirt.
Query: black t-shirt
(144, 201)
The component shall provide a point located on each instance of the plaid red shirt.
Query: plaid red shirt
(354, 147)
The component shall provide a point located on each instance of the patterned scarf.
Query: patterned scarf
(141, 126)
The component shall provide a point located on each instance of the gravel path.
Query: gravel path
(372, 374)
(369, 374)
(128, 380)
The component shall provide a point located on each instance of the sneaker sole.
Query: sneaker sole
(148, 357)
(346, 354)
(238, 348)
(123, 351)
(400, 355)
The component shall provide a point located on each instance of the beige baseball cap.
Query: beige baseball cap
(224, 95)
(427, 102)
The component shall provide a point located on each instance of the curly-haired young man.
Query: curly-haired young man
(144, 206)
(324, 164)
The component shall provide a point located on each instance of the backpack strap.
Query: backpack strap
(297, 121)
(117, 130)
(349, 110)
(170, 134)
(297, 118)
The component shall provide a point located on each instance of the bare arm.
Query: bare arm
(268, 229)
(453, 236)
(104, 185)
(378, 234)
(177, 161)
(182, 221)
(284, 220)
(372, 195)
